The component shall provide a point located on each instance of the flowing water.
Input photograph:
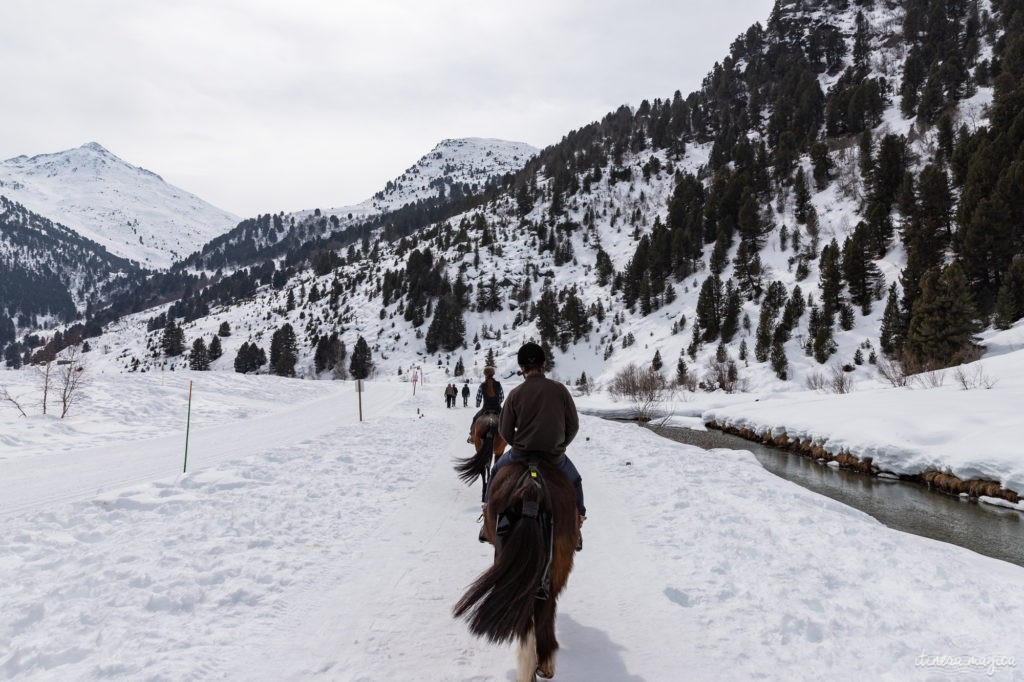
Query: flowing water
(986, 529)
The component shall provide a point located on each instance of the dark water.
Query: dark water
(993, 531)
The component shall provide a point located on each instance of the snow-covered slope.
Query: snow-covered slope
(132, 212)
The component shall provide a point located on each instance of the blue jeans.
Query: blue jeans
(563, 463)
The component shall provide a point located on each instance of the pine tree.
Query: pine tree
(821, 164)
(215, 350)
(490, 361)
(748, 270)
(173, 340)
(284, 351)
(242, 358)
(656, 363)
(361, 365)
(1010, 300)
(709, 307)
(943, 322)
(682, 373)
(448, 328)
(765, 330)
(859, 269)
(779, 361)
(322, 354)
(731, 312)
(549, 356)
(894, 328)
(250, 358)
(199, 359)
(802, 197)
(546, 313)
(830, 278)
(575, 322)
(225, 329)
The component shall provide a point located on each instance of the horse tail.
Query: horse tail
(486, 451)
(471, 468)
(500, 604)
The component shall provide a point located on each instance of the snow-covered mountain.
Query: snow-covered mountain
(454, 168)
(129, 210)
(738, 237)
(51, 275)
(454, 171)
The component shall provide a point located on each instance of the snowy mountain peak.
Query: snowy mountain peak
(455, 164)
(131, 211)
(454, 167)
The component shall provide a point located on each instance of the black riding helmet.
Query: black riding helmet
(530, 355)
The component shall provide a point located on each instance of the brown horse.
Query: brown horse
(489, 446)
(531, 517)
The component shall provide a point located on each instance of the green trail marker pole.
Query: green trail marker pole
(188, 425)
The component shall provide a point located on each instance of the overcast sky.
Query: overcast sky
(260, 106)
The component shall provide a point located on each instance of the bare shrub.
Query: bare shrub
(840, 381)
(891, 371)
(816, 381)
(585, 384)
(71, 379)
(645, 388)
(45, 374)
(930, 379)
(973, 378)
(723, 375)
(690, 383)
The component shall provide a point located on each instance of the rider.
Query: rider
(490, 394)
(540, 417)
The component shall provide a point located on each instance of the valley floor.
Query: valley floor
(305, 544)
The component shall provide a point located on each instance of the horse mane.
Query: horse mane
(507, 599)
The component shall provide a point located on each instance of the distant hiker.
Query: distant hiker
(539, 419)
(449, 395)
(490, 393)
(465, 394)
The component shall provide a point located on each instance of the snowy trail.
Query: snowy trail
(387, 614)
(49, 478)
(313, 546)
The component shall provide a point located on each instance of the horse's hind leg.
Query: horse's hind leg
(546, 643)
(526, 658)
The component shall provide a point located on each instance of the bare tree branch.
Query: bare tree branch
(5, 395)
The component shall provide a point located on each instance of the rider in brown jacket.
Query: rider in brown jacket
(539, 416)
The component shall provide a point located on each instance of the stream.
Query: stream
(986, 529)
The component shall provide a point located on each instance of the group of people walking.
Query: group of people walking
(451, 395)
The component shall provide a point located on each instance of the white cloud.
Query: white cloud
(266, 106)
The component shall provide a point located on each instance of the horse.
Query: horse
(531, 518)
(489, 446)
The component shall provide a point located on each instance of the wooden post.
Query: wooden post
(359, 390)
(188, 425)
